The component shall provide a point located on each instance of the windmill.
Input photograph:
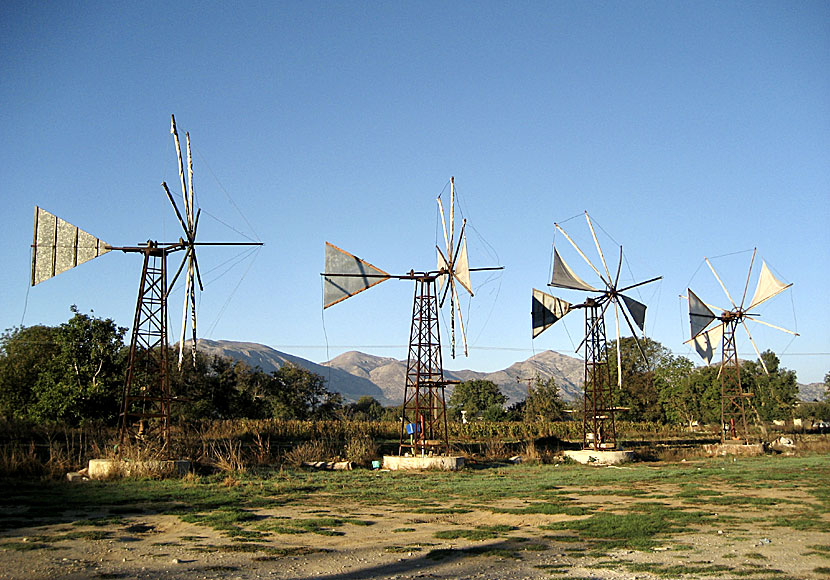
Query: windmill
(59, 246)
(424, 425)
(707, 337)
(598, 428)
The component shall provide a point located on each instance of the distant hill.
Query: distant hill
(352, 387)
(811, 392)
(354, 374)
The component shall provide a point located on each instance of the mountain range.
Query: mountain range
(355, 374)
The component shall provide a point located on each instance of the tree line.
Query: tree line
(74, 373)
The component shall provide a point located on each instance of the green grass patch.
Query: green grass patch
(544, 508)
(401, 530)
(641, 529)
(477, 534)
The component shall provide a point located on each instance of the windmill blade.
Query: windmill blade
(711, 267)
(545, 310)
(444, 224)
(196, 269)
(179, 271)
(176, 209)
(58, 246)
(749, 335)
(768, 287)
(443, 264)
(700, 316)
(707, 343)
(190, 181)
(782, 329)
(188, 281)
(346, 275)
(175, 133)
(452, 215)
(193, 312)
(461, 270)
(460, 321)
(599, 251)
(619, 352)
(748, 274)
(638, 284)
(634, 334)
(637, 310)
(619, 269)
(579, 250)
(564, 277)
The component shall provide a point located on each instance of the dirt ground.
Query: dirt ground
(403, 545)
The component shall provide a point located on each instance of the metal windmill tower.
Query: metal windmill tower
(424, 425)
(598, 426)
(59, 246)
(706, 339)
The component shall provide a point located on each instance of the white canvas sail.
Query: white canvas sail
(709, 342)
(564, 277)
(768, 286)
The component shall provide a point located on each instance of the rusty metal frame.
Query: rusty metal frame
(733, 409)
(145, 416)
(424, 427)
(599, 430)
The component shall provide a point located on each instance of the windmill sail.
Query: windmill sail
(699, 314)
(546, 310)
(637, 310)
(564, 277)
(768, 286)
(59, 246)
(462, 268)
(709, 342)
(347, 275)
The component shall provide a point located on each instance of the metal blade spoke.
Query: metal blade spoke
(179, 271)
(619, 269)
(181, 169)
(746, 328)
(599, 249)
(711, 267)
(175, 207)
(460, 318)
(577, 248)
(619, 351)
(748, 274)
(781, 328)
(638, 284)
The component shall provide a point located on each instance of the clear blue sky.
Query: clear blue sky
(686, 129)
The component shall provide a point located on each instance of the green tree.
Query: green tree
(218, 388)
(292, 392)
(776, 393)
(543, 402)
(366, 408)
(70, 373)
(478, 398)
(24, 353)
(638, 395)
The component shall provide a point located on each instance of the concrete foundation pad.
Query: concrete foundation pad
(747, 450)
(591, 457)
(113, 468)
(436, 462)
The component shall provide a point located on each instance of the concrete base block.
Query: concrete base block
(436, 462)
(112, 468)
(746, 450)
(591, 457)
